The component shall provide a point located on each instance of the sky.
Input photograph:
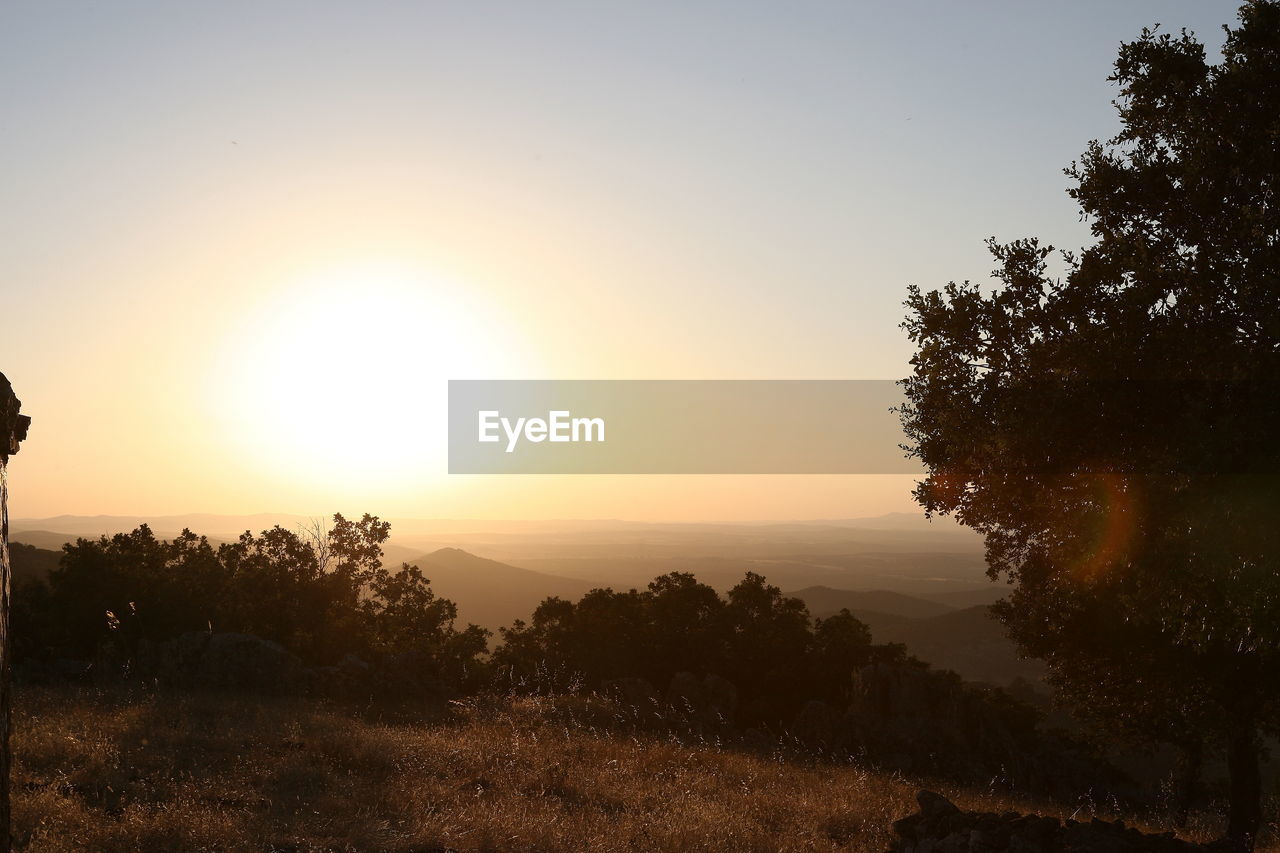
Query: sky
(246, 244)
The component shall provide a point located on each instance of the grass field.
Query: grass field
(120, 771)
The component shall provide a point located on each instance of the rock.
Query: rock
(684, 693)
(941, 827)
(351, 677)
(817, 726)
(13, 426)
(721, 697)
(935, 806)
(758, 740)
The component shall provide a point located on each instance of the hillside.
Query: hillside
(985, 595)
(823, 601)
(45, 539)
(31, 564)
(967, 639)
(171, 771)
(919, 574)
(489, 593)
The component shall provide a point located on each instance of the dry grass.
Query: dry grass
(110, 771)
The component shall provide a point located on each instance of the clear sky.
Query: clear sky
(244, 244)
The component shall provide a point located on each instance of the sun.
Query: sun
(347, 371)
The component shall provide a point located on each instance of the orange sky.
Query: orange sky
(248, 244)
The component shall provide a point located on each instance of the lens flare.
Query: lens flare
(1113, 538)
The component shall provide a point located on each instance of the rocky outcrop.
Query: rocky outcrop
(818, 726)
(941, 827)
(13, 426)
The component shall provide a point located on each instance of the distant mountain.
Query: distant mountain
(489, 593)
(823, 601)
(915, 574)
(891, 538)
(205, 524)
(903, 521)
(392, 554)
(46, 539)
(970, 641)
(31, 564)
(962, 598)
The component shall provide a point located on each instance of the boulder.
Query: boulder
(817, 726)
(941, 827)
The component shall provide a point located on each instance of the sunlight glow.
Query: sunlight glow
(347, 372)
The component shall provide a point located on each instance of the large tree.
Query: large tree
(1107, 419)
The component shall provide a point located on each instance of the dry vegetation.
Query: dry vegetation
(110, 771)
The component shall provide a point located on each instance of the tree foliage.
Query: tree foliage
(762, 641)
(322, 596)
(1108, 420)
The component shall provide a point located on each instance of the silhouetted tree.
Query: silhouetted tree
(841, 646)
(322, 600)
(1111, 429)
(762, 641)
(687, 629)
(768, 641)
(407, 619)
(152, 589)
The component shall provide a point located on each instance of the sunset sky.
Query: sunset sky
(246, 244)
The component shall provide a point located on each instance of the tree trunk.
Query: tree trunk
(13, 429)
(1245, 814)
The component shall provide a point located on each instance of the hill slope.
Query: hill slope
(970, 641)
(489, 593)
(823, 601)
(31, 564)
(289, 773)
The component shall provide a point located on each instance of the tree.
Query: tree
(841, 646)
(13, 431)
(407, 620)
(321, 593)
(133, 586)
(763, 642)
(769, 641)
(1109, 427)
